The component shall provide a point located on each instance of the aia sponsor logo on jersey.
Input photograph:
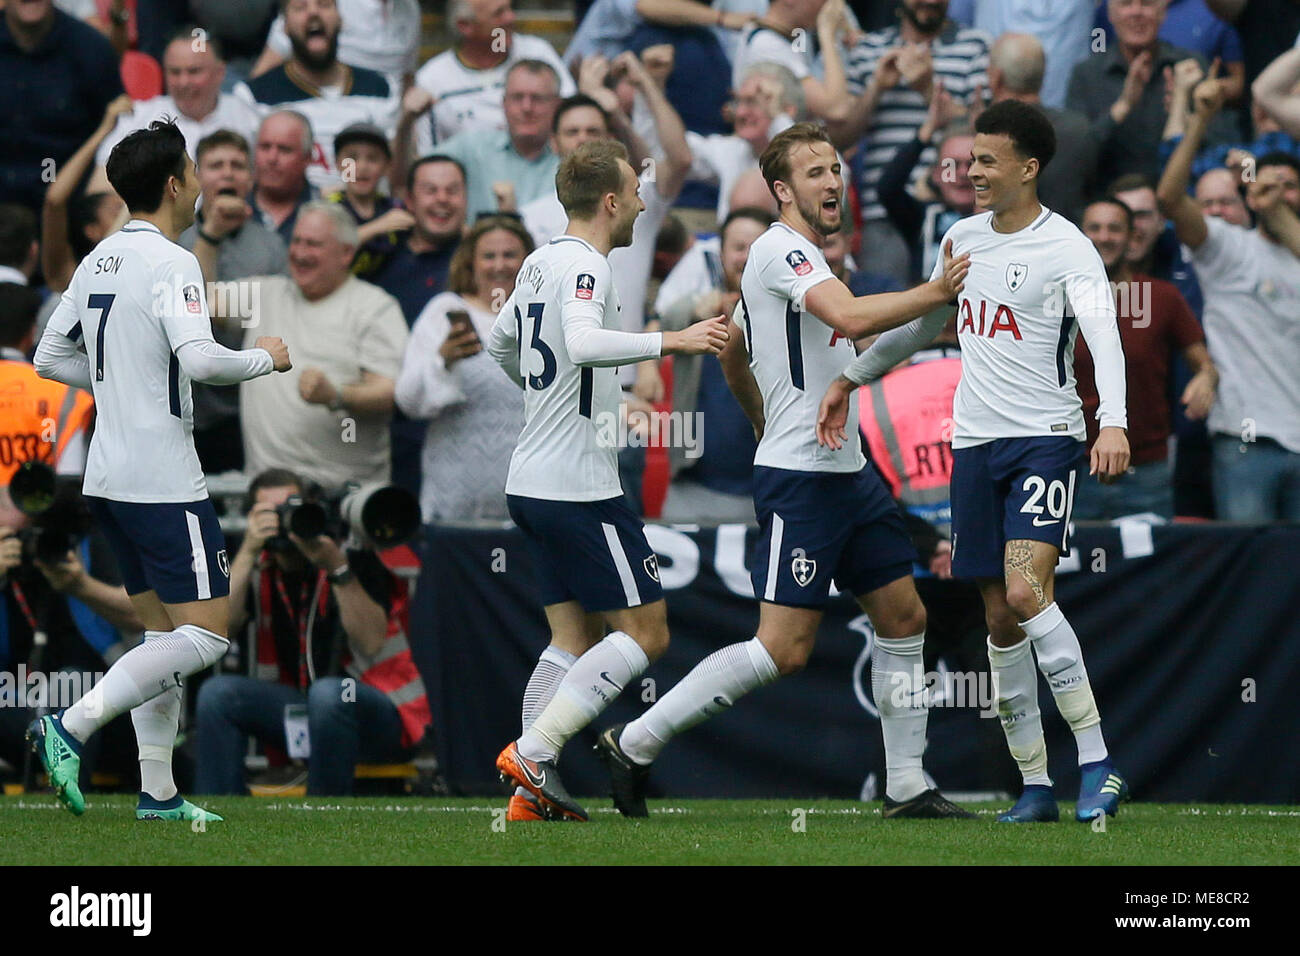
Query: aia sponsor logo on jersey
(586, 285)
(191, 294)
(1004, 320)
(799, 263)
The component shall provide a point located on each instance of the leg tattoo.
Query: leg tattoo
(1020, 559)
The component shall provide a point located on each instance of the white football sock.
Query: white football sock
(592, 684)
(143, 673)
(550, 670)
(1060, 658)
(551, 667)
(713, 685)
(1016, 684)
(156, 722)
(898, 685)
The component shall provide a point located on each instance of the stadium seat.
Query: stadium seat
(141, 75)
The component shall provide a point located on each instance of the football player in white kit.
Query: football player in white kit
(133, 327)
(1018, 442)
(823, 513)
(558, 337)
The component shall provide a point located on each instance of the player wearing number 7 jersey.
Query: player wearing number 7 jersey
(1018, 441)
(133, 327)
(558, 338)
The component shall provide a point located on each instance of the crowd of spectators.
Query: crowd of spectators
(373, 210)
(341, 176)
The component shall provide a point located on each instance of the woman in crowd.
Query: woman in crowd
(474, 411)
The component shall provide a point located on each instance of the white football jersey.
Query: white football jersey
(135, 300)
(545, 218)
(1016, 324)
(793, 354)
(568, 448)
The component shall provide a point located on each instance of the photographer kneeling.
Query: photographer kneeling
(330, 629)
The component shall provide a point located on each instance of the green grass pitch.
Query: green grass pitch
(412, 830)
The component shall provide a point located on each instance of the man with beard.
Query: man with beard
(557, 337)
(1251, 282)
(823, 513)
(1155, 323)
(332, 95)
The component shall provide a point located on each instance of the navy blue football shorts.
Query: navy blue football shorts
(175, 549)
(592, 552)
(819, 526)
(1010, 489)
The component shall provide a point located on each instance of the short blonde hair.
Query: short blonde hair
(590, 173)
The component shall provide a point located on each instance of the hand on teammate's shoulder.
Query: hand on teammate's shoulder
(278, 350)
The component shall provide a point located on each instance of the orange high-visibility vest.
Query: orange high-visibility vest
(38, 417)
(392, 670)
(907, 418)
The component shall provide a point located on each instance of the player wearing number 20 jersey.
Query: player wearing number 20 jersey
(1035, 281)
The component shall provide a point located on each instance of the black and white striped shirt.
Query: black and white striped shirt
(961, 59)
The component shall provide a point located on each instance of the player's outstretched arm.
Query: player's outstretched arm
(857, 317)
(208, 361)
(740, 378)
(593, 346)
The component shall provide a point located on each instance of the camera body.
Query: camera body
(378, 515)
(60, 518)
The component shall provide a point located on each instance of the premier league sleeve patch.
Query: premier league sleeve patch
(192, 301)
(799, 263)
(586, 285)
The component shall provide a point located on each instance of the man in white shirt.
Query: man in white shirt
(133, 327)
(557, 336)
(1019, 439)
(823, 512)
(468, 81)
(768, 100)
(193, 71)
(1251, 282)
(328, 420)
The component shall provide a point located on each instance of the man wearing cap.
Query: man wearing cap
(364, 159)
